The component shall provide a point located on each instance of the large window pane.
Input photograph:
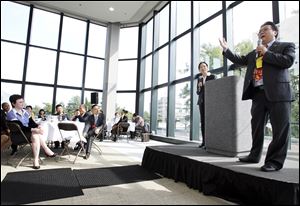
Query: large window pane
(182, 111)
(70, 70)
(164, 26)
(204, 9)
(127, 75)
(38, 102)
(246, 36)
(97, 41)
(43, 24)
(126, 101)
(94, 73)
(149, 36)
(183, 56)
(128, 43)
(73, 35)
(14, 21)
(162, 108)
(8, 89)
(210, 50)
(163, 65)
(148, 72)
(288, 9)
(183, 15)
(69, 98)
(289, 31)
(147, 106)
(41, 65)
(12, 61)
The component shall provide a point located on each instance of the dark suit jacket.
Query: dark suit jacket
(200, 90)
(91, 124)
(276, 61)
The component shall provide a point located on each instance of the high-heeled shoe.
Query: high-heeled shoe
(36, 167)
(54, 155)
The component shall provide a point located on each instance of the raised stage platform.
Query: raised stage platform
(225, 177)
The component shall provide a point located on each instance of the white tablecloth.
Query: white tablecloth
(51, 132)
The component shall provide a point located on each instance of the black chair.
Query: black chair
(69, 126)
(97, 136)
(123, 129)
(19, 138)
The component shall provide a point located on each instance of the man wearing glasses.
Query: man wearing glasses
(267, 83)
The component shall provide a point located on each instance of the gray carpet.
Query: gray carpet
(100, 177)
(38, 185)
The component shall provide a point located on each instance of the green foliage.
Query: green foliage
(243, 47)
(185, 94)
(147, 116)
(295, 105)
(73, 104)
(211, 52)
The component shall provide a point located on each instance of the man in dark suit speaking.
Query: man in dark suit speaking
(267, 83)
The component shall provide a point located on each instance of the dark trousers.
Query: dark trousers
(201, 108)
(279, 114)
(90, 138)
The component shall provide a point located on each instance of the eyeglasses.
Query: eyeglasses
(263, 30)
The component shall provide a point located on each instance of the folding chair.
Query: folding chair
(18, 138)
(123, 129)
(101, 132)
(69, 126)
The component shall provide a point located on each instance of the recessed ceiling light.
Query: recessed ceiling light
(111, 9)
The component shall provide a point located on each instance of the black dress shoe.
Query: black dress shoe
(36, 167)
(201, 145)
(87, 156)
(269, 168)
(54, 155)
(13, 152)
(248, 159)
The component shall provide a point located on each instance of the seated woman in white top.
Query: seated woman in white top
(29, 127)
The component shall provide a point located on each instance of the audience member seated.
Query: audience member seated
(30, 112)
(93, 126)
(116, 118)
(42, 115)
(121, 125)
(61, 115)
(29, 127)
(81, 114)
(5, 139)
(139, 125)
(4, 111)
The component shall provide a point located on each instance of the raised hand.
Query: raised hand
(223, 43)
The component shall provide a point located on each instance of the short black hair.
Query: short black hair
(94, 105)
(202, 63)
(58, 105)
(41, 110)
(29, 106)
(13, 99)
(273, 26)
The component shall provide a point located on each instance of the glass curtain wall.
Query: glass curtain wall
(49, 65)
(127, 70)
(194, 27)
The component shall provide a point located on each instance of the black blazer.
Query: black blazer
(276, 62)
(200, 90)
(91, 124)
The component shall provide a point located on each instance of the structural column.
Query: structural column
(111, 70)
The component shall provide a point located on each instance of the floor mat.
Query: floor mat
(35, 186)
(99, 177)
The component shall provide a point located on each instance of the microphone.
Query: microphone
(259, 43)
